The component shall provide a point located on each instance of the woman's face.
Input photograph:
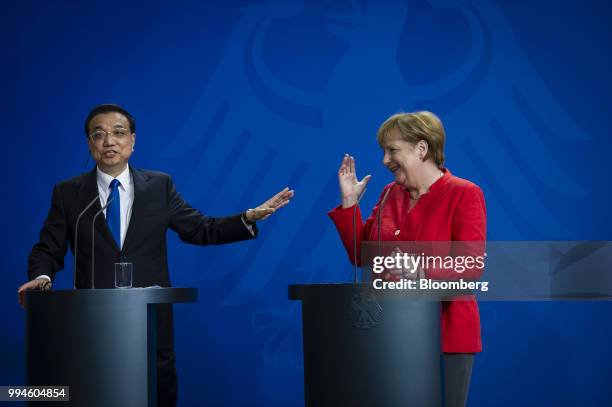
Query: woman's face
(403, 158)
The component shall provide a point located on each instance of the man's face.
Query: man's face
(111, 141)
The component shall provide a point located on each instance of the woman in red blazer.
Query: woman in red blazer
(424, 203)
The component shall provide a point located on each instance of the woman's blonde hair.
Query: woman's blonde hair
(414, 127)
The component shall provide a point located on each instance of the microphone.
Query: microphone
(76, 241)
(93, 239)
(355, 234)
(378, 215)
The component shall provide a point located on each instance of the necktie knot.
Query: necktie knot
(114, 184)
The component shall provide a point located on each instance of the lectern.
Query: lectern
(101, 343)
(367, 347)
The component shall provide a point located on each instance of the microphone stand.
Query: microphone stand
(378, 218)
(93, 238)
(76, 239)
(355, 235)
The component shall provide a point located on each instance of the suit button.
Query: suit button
(397, 232)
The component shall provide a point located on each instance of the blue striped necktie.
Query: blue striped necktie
(113, 212)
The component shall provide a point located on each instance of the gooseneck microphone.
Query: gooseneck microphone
(355, 235)
(76, 239)
(93, 239)
(378, 215)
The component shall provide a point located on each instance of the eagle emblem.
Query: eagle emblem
(365, 311)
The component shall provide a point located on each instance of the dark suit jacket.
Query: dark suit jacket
(157, 207)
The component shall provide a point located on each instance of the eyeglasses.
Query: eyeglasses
(117, 134)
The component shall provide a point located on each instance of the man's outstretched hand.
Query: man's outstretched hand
(267, 208)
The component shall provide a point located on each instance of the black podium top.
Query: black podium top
(314, 291)
(117, 296)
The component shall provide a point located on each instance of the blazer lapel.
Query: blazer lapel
(88, 190)
(140, 186)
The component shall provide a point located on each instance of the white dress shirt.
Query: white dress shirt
(126, 196)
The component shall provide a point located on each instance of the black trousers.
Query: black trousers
(457, 378)
(167, 382)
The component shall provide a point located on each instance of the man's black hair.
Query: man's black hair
(106, 108)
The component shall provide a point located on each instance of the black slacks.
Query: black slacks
(167, 382)
(457, 377)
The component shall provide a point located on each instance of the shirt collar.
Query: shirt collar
(104, 179)
(446, 175)
(439, 183)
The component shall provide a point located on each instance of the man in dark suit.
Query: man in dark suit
(142, 206)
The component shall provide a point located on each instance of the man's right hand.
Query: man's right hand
(350, 187)
(36, 284)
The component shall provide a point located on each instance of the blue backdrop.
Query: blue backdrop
(238, 99)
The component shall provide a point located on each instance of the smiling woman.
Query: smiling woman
(424, 203)
(413, 146)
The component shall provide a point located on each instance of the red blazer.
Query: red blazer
(452, 210)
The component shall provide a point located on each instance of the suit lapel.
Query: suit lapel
(140, 186)
(88, 190)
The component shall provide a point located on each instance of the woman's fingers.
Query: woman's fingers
(345, 165)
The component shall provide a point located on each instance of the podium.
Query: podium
(101, 343)
(367, 347)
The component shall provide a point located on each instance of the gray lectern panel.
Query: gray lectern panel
(362, 348)
(101, 343)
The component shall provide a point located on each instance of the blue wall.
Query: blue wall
(237, 100)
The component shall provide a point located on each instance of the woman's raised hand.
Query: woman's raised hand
(351, 188)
